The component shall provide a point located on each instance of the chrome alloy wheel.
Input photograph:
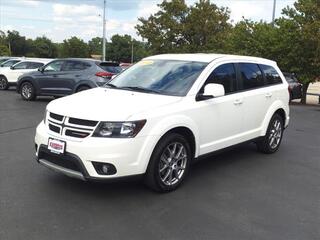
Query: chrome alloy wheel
(26, 91)
(275, 134)
(173, 163)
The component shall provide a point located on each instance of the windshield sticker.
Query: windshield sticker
(145, 62)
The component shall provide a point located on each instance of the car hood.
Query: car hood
(104, 104)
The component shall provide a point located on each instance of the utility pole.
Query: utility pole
(131, 50)
(274, 11)
(104, 32)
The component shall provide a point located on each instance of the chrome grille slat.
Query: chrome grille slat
(68, 127)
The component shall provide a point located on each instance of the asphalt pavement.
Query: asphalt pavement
(237, 194)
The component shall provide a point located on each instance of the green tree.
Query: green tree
(179, 28)
(42, 47)
(300, 35)
(95, 46)
(17, 43)
(120, 49)
(74, 47)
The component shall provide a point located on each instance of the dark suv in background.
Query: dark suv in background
(66, 76)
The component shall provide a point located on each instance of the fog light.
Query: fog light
(104, 168)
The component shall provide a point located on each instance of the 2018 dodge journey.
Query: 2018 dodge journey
(159, 115)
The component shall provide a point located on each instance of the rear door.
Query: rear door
(73, 72)
(258, 97)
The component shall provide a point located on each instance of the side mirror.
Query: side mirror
(40, 69)
(211, 90)
(12, 67)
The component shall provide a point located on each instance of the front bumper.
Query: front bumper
(129, 156)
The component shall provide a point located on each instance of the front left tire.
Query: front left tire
(4, 85)
(169, 163)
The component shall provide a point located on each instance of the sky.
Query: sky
(61, 19)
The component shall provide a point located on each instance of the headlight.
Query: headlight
(119, 129)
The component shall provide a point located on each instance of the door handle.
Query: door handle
(268, 95)
(237, 102)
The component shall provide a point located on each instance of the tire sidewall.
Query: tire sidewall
(6, 82)
(153, 168)
(32, 92)
(273, 119)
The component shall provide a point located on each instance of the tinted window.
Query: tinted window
(225, 75)
(9, 63)
(251, 76)
(54, 66)
(167, 77)
(75, 66)
(22, 65)
(112, 69)
(34, 65)
(271, 75)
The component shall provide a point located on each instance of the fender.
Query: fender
(83, 82)
(160, 129)
(278, 104)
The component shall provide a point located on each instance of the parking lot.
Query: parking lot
(237, 194)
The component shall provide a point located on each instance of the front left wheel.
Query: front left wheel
(169, 163)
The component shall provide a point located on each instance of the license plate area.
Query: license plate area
(56, 146)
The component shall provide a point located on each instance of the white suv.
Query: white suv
(9, 75)
(159, 115)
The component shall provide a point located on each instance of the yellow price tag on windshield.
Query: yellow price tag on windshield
(145, 62)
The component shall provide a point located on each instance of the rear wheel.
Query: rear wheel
(27, 91)
(4, 85)
(82, 88)
(169, 163)
(270, 143)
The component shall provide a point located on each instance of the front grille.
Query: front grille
(54, 128)
(82, 122)
(76, 134)
(70, 127)
(56, 116)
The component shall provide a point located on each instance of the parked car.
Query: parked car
(63, 77)
(161, 114)
(4, 59)
(10, 62)
(295, 87)
(9, 75)
(124, 66)
(111, 68)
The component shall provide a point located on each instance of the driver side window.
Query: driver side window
(55, 66)
(225, 75)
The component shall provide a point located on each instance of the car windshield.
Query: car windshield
(168, 77)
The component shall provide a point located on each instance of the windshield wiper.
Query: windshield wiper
(140, 89)
(110, 85)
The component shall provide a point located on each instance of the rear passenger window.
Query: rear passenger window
(22, 65)
(75, 66)
(271, 75)
(34, 65)
(226, 75)
(251, 76)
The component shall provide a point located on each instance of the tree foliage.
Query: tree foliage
(179, 28)
(74, 47)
